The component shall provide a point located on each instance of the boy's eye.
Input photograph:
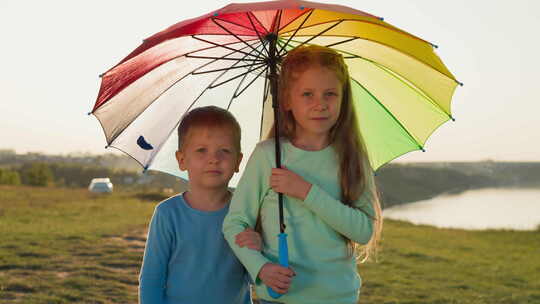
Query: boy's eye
(307, 94)
(226, 150)
(200, 150)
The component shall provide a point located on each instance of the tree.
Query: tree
(36, 174)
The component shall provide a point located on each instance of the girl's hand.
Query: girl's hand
(249, 238)
(289, 183)
(276, 277)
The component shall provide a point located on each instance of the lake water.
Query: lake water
(517, 209)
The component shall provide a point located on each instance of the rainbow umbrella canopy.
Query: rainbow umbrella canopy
(230, 58)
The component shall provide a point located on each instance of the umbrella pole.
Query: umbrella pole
(272, 62)
(282, 237)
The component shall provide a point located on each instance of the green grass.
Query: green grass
(67, 246)
(422, 264)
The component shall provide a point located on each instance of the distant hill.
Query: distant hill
(398, 183)
(9, 158)
(403, 183)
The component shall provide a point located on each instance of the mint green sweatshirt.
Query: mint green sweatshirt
(318, 253)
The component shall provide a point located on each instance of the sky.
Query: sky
(53, 51)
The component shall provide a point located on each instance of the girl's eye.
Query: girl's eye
(307, 94)
(226, 150)
(331, 94)
(201, 150)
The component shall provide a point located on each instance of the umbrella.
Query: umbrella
(231, 58)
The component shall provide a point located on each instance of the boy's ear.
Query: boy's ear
(240, 156)
(180, 158)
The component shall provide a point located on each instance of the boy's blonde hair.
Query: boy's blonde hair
(208, 117)
(355, 172)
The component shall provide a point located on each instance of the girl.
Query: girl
(330, 201)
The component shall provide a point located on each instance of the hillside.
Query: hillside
(398, 183)
(403, 183)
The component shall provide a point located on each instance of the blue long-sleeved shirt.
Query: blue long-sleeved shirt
(187, 260)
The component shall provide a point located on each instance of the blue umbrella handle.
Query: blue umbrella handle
(283, 260)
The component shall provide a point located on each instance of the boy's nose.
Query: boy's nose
(215, 157)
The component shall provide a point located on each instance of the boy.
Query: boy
(186, 259)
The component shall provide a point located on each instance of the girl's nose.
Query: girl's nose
(321, 103)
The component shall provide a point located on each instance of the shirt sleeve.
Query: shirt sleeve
(244, 209)
(354, 223)
(153, 277)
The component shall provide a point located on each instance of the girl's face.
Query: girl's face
(315, 101)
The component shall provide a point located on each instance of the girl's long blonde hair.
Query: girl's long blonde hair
(355, 172)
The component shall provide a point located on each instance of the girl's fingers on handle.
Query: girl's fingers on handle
(279, 286)
(276, 276)
(287, 271)
(279, 290)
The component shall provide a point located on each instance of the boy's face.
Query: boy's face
(210, 157)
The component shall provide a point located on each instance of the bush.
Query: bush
(36, 174)
(8, 177)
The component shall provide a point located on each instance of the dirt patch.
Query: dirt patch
(62, 274)
(134, 241)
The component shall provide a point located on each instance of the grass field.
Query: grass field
(67, 246)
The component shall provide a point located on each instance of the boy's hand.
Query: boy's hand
(276, 277)
(249, 238)
(289, 183)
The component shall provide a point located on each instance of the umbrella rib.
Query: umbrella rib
(259, 22)
(265, 96)
(212, 47)
(322, 32)
(224, 58)
(236, 90)
(196, 71)
(258, 35)
(281, 43)
(236, 36)
(389, 113)
(211, 84)
(225, 69)
(221, 45)
(266, 85)
(296, 31)
(341, 42)
(409, 84)
(236, 94)
(249, 84)
(235, 77)
(306, 11)
(280, 13)
(233, 23)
